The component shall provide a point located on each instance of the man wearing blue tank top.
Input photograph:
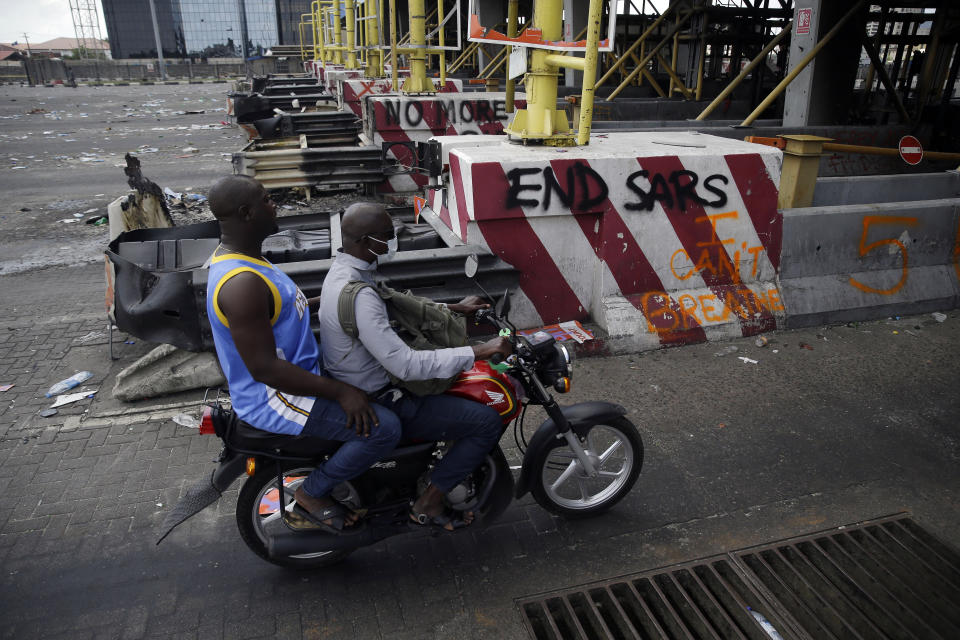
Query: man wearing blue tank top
(261, 329)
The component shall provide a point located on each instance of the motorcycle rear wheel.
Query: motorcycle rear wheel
(563, 487)
(259, 513)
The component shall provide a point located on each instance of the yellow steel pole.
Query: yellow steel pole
(393, 44)
(703, 55)
(337, 32)
(640, 40)
(790, 77)
(673, 60)
(442, 41)
(798, 174)
(647, 58)
(318, 43)
(746, 71)
(418, 82)
(351, 20)
(540, 120)
(589, 72)
(513, 11)
(374, 55)
(674, 78)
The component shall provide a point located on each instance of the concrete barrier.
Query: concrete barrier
(352, 92)
(854, 262)
(660, 240)
(405, 119)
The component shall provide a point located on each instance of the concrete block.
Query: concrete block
(670, 239)
(166, 370)
(402, 119)
(860, 262)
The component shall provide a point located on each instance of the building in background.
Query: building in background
(61, 48)
(201, 28)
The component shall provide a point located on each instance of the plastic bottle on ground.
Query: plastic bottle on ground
(69, 383)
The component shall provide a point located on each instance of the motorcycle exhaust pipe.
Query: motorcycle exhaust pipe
(292, 543)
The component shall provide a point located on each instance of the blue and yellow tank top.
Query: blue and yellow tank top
(256, 403)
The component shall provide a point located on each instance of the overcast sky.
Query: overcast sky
(41, 20)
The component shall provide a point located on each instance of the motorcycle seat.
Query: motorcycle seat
(246, 436)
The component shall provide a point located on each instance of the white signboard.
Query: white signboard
(518, 61)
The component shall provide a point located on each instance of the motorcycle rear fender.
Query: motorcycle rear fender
(231, 467)
(581, 417)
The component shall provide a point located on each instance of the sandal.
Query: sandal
(302, 520)
(448, 521)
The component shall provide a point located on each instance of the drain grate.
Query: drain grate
(887, 578)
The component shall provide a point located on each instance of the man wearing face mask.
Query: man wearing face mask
(369, 239)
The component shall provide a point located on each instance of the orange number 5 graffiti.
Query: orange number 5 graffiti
(867, 248)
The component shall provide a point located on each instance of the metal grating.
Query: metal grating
(886, 578)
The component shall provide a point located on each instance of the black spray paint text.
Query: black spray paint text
(442, 112)
(586, 189)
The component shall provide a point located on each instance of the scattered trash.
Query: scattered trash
(130, 342)
(896, 333)
(195, 197)
(90, 337)
(570, 330)
(939, 317)
(72, 397)
(727, 351)
(186, 420)
(170, 193)
(770, 630)
(38, 110)
(5, 387)
(722, 425)
(776, 350)
(748, 360)
(94, 210)
(147, 150)
(761, 341)
(804, 345)
(78, 215)
(69, 383)
(194, 111)
(97, 220)
(46, 413)
(191, 150)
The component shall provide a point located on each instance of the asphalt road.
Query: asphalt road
(62, 152)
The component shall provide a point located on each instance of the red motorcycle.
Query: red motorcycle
(580, 462)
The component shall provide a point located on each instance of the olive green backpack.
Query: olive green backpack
(420, 323)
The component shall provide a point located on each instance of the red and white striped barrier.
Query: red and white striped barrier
(332, 79)
(352, 92)
(660, 238)
(402, 119)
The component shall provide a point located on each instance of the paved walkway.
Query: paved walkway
(862, 424)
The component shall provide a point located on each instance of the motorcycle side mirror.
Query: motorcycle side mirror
(471, 266)
(503, 304)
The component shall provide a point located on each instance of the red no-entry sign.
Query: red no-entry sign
(911, 150)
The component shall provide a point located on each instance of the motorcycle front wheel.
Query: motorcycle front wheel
(562, 485)
(260, 508)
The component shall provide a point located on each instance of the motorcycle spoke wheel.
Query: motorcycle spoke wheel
(260, 509)
(565, 487)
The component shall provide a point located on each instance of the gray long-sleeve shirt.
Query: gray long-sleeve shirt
(364, 363)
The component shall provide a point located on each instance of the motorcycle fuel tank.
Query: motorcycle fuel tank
(484, 384)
